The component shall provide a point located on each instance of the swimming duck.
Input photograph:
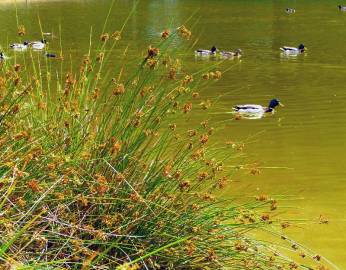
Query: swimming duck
(237, 53)
(51, 55)
(256, 111)
(342, 8)
(293, 50)
(202, 52)
(290, 10)
(19, 46)
(38, 45)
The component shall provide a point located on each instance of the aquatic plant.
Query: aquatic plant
(97, 173)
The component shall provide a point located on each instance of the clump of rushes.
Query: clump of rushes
(96, 173)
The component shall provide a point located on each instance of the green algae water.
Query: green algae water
(300, 150)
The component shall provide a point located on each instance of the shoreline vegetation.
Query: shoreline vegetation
(96, 173)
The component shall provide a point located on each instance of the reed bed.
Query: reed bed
(97, 173)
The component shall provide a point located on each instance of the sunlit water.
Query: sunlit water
(307, 136)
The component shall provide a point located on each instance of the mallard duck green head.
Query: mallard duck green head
(301, 47)
(272, 104)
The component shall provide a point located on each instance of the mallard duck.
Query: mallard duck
(38, 45)
(342, 8)
(50, 55)
(202, 52)
(19, 46)
(293, 50)
(237, 53)
(256, 111)
(290, 10)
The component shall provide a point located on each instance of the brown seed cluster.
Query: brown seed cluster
(184, 32)
(187, 107)
(104, 37)
(119, 89)
(34, 185)
(116, 35)
(152, 52)
(187, 80)
(172, 74)
(212, 75)
(17, 67)
(152, 63)
(165, 34)
(116, 147)
(21, 30)
(100, 56)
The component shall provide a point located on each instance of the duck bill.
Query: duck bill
(282, 105)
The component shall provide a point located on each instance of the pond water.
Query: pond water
(304, 142)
